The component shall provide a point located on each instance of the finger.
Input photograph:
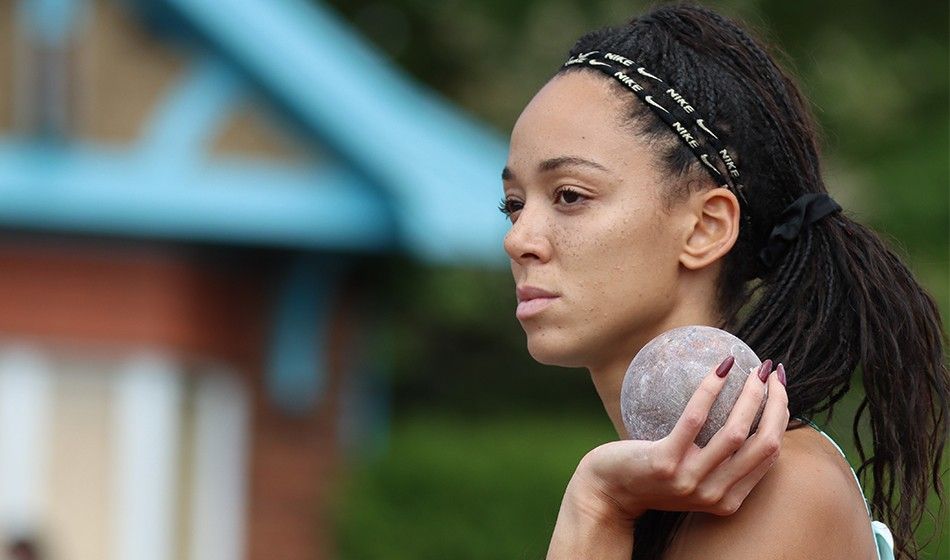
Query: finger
(736, 495)
(774, 419)
(765, 442)
(736, 430)
(697, 409)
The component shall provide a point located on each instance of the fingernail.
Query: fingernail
(780, 370)
(764, 370)
(725, 366)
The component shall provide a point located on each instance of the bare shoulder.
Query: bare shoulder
(807, 507)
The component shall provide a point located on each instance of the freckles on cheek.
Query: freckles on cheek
(567, 240)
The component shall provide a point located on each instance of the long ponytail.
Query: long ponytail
(857, 306)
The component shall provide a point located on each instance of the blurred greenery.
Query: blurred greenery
(464, 488)
(462, 477)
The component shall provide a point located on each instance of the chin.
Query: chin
(554, 351)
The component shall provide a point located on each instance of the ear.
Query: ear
(715, 219)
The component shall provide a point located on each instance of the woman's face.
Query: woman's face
(593, 248)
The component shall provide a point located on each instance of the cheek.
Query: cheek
(629, 265)
(614, 250)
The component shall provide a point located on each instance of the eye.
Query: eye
(510, 206)
(568, 196)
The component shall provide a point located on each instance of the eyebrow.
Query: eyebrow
(553, 164)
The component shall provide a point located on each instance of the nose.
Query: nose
(528, 239)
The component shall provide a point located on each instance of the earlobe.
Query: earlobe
(715, 228)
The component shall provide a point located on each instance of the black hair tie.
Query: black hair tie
(806, 210)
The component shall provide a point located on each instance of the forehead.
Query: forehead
(582, 114)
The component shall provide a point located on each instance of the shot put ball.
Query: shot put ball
(667, 371)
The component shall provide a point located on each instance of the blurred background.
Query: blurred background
(253, 300)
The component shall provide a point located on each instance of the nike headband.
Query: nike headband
(675, 110)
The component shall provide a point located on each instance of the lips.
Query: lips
(532, 301)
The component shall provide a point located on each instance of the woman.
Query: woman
(669, 175)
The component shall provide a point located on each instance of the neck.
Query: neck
(608, 376)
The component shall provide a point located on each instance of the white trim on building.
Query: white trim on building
(147, 424)
(25, 387)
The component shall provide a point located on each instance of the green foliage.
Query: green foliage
(461, 488)
(453, 343)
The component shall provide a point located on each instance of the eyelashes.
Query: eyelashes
(509, 206)
(568, 195)
(565, 195)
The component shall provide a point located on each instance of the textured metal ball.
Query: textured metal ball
(667, 371)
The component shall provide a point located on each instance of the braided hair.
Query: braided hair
(838, 301)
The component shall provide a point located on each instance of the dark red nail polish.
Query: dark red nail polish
(764, 370)
(780, 371)
(725, 366)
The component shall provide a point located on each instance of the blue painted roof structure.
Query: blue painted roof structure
(408, 173)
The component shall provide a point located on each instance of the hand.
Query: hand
(620, 480)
